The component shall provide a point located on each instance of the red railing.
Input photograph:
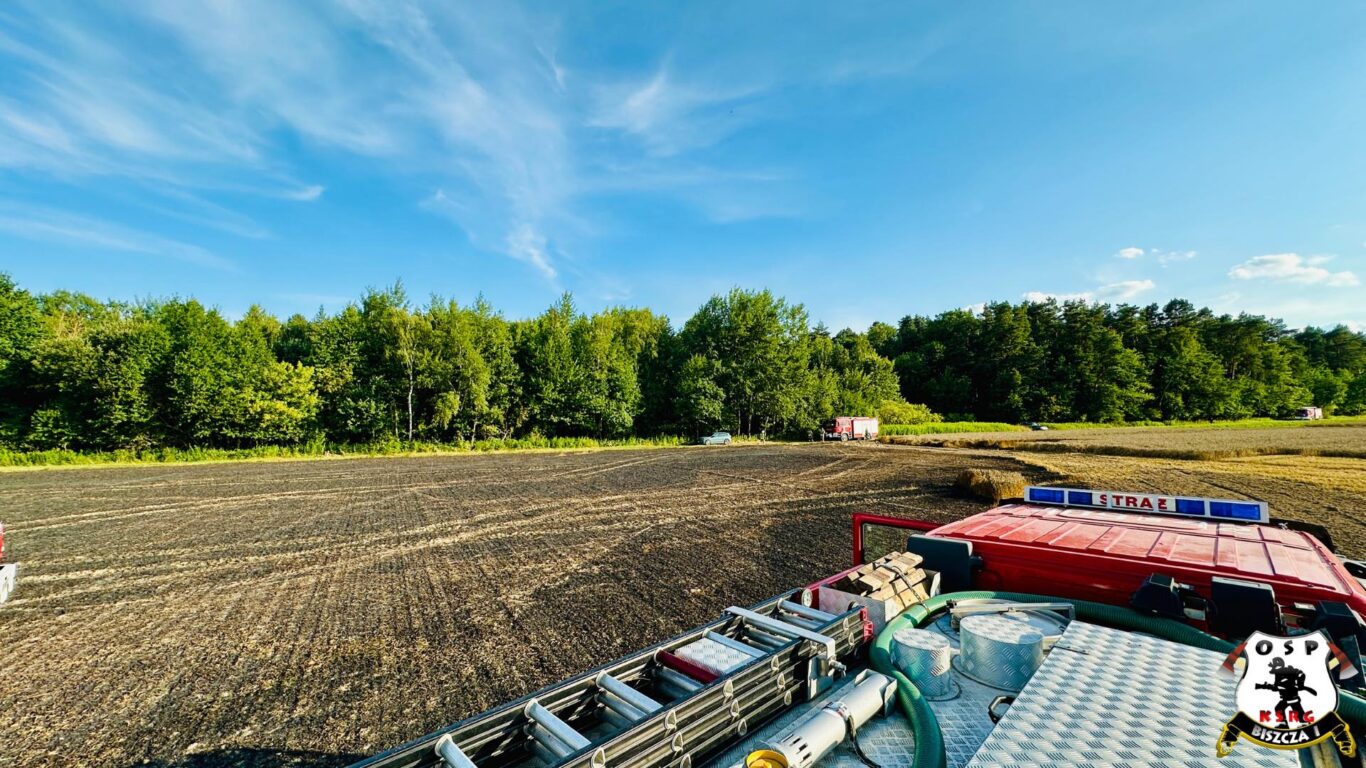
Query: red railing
(867, 518)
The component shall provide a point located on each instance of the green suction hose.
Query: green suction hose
(929, 740)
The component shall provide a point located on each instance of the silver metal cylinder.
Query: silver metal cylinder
(807, 612)
(768, 641)
(999, 651)
(801, 621)
(677, 679)
(556, 727)
(613, 705)
(550, 741)
(616, 720)
(545, 755)
(731, 642)
(626, 693)
(811, 740)
(926, 658)
(673, 691)
(451, 754)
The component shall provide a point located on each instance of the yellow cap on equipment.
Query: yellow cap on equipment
(765, 758)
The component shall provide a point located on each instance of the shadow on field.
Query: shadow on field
(258, 758)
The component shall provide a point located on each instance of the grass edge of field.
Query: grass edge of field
(15, 461)
(210, 456)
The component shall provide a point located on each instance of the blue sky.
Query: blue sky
(867, 160)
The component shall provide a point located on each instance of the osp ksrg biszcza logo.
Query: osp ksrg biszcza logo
(1288, 695)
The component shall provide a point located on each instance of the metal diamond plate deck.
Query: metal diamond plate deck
(1110, 698)
(709, 654)
(1055, 722)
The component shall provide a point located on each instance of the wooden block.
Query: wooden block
(902, 597)
(907, 559)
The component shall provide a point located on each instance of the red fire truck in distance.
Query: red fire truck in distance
(849, 428)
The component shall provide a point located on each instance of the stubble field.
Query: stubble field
(1340, 440)
(315, 612)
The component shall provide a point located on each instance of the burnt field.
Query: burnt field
(315, 612)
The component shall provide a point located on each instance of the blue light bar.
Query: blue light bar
(1045, 495)
(1081, 498)
(1233, 510)
(1190, 507)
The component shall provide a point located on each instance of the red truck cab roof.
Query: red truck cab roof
(1104, 555)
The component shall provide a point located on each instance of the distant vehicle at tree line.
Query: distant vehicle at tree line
(845, 428)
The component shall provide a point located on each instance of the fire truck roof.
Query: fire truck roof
(1116, 550)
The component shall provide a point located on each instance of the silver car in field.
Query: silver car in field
(716, 438)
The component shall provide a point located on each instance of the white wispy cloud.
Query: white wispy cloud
(203, 105)
(1039, 297)
(1120, 291)
(468, 99)
(1171, 257)
(1163, 257)
(1124, 290)
(305, 194)
(526, 245)
(38, 225)
(671, 115)
(79, 105)
(1293, 268)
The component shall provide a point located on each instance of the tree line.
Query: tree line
(1077, 361)
(81, 374)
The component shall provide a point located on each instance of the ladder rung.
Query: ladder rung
(804, 623)
(563, 738)
(451, 754)
(639, 702)
(618, 720)
(768, 641)
(807, 613)
(734, 644)
(546, 756)
(548, 741)
(623, 711)
(677, 679)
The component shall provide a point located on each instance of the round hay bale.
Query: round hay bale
(991, 485)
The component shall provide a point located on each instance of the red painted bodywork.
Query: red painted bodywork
(1104, 556)
(849, 428)
(2, 542)
(865, 518)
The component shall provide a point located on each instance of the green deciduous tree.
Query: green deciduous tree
(700, 402)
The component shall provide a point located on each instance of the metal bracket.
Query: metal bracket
(784, 629)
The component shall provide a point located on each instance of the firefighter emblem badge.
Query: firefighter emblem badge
(1288, 695)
